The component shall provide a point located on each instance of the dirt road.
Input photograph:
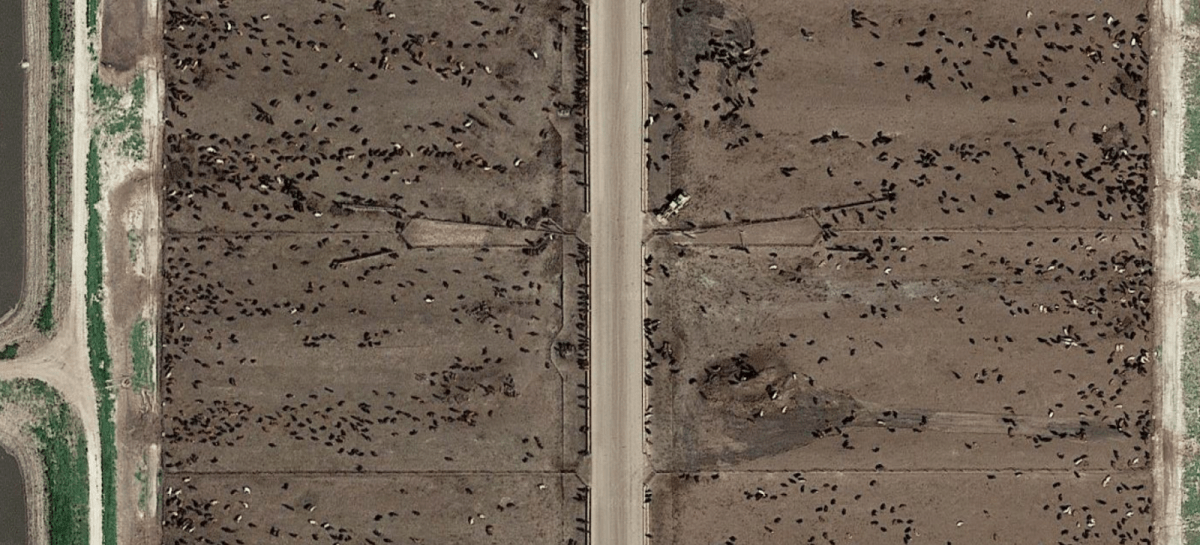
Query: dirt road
(615, 108)
(1168, 221)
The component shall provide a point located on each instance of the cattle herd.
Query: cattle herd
(966, 353)
(324, 381)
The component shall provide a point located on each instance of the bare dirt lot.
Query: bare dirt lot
(817, 507)
(304, 340)
(971, 116)
(374, 509)
(123, 38)
(447, 111)
(412, 360)
(975, 307)
(926, 334)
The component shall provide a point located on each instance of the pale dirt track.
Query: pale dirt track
(1169, 265)
(615, 110)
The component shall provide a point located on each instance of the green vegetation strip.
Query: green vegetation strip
(56, 147)
(1190, 367)
(135, 245)
(143, 360)
(1191, 501)
(1191, 130)
(55, 152)
(143, 485)
(98, 355)
(63, 450)
(1190, 379)
(92, 10)
(1191, 238)
(57, 45)
(9, 352)
(122, 121)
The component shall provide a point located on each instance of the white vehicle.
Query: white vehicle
(678, 199)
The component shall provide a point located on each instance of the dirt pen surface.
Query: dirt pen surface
(374, 509)
(322, 379)
(965, 355)
(416, 109)
(393, 363)
(819, 507)
(986, 116)
(902, 369)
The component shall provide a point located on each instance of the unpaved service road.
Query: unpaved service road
(615, 108)
(1167, 16)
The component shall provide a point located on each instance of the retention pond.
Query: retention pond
(12, 144)
(13, 527)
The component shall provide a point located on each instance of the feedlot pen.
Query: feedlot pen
(914, 302)
(371, 282)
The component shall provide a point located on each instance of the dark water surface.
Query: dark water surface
(12, 190)
(12, 499)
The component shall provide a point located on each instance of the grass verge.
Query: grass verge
(143, 359)
(98, 355)
(121, 114)
(93, 9)
(63, 449)
(1190, 379)
(1191, 239)
(1191, 115)
(1191, 501)
(143, 485)
(56, 150)
(135, 245)
(1190, 367)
